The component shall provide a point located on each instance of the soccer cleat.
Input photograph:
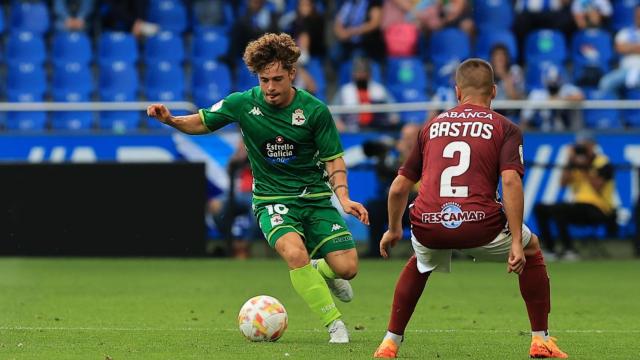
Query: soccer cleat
(338, 332)
(387, 350)
(339, 287)
(545, 349)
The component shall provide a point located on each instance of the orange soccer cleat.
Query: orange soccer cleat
(545, 349)
(387, 350)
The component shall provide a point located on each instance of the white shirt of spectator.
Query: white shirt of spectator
(630, 35)
(538, 6)
(582, 6)
(543, 95)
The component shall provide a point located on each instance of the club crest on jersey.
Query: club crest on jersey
(297, 118)
(452, 216)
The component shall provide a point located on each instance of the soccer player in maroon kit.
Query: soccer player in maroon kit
(459, 158)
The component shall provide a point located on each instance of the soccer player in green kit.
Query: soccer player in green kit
(294, 148)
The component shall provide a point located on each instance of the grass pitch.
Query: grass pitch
(186, 309)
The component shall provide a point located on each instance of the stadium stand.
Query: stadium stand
(164, 47)
(30, 16)
(71, 47)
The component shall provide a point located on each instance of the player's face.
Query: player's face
(275, 82)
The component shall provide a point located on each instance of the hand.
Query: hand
(516, 259)
(160, 112)
(389, 240)
(356, 209)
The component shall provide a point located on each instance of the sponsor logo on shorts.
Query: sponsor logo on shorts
(452, 216)
(342, 239)
(276, 220)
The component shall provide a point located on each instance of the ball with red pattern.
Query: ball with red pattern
(262, 318)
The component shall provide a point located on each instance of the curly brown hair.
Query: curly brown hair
(271, 48)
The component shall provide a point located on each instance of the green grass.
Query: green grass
(186, 309)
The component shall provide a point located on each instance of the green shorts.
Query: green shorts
(318, 222)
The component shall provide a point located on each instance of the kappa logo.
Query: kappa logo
(297, 118)
(336, 227)
(256, 111)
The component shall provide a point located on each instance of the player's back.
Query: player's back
(464, 150)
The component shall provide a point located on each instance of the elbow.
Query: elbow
(511, 181)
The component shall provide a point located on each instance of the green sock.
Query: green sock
(325, 270)
(310, 285)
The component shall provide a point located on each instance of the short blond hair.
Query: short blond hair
(475, 75)
(270, 48)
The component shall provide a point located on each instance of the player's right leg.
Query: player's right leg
(409, 287)
(535, 290)
(310, 285)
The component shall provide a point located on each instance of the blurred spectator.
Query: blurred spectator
(590, 177)
(233, 215)
(72, 15)
(430, 15)
(357, 28)
(304, 80)
(627, 75)
(591, 13)
(445, 92)
(535, 14)
(556, 88)
(127, 15)
(508, 77)
(308, 29)
(256, 21)
(387, 164)
(363, 90)
(211, 13)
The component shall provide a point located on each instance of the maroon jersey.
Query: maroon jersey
(458, 159)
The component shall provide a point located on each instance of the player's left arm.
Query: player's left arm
(337, 171)
(513, 197)
(397, 202)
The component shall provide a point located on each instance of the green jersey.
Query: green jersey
(287, 147)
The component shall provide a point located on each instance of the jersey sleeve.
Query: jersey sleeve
(326, 136)
(220, 114)
(511, 156)
(412, 167)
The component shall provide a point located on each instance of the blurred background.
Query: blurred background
(85, 172)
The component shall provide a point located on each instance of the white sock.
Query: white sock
(543, 334)
(395, 337)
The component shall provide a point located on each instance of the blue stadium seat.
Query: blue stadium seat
(118, 80)
(165, 46)
(244, 79)
(171, 15)
(164, 81)
(545, 45)
(31, 16)
(26, 78)
(535, 71)
(487, 39)
(443, 75)
(591, 48)
(404, 94)
(119, 121)
(447, 45)
(220, 18)
(25, 47)
(114, 46)
(632, 116)
(344, 72)
(71, 120)
(72, 47)
(406, 72)
(209, 44)
(211, 81)
(493, 15)
(25, 91)
(73, 78)
(316, 71)
(623, 13)
(601, 118)
(2, 23)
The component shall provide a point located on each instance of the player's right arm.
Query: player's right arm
(188, 124)
(398, 198)
(513, 208)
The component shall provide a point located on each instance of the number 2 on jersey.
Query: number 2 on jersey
(446, 189)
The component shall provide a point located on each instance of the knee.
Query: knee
(347, 271)
(296, 258)
(533, 246)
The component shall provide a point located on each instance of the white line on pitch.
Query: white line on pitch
(586, 331)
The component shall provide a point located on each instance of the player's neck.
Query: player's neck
(292, 95)
(477, 101)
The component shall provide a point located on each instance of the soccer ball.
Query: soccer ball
(262, 318)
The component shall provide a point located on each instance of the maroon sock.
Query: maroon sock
(534, 287)
(408, 290)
